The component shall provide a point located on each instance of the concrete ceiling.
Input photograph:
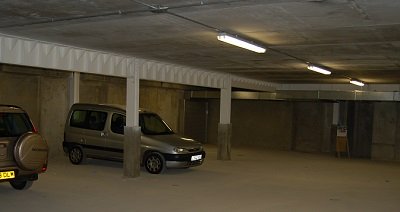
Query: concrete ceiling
(353, 38)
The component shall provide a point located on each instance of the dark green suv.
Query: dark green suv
(23, 152)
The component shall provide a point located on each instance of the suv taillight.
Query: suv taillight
(35, 130)
(44, 167)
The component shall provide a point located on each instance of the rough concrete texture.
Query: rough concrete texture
(255, 180)
(164, 101)
(21, 90)
(112, 90)
(386, 133)
(132, 141)
(312, 126)
(224, 141)
(44, 96)
(360, 128)
(53, 111)
(302, 126)
(262, 123)
(102, 89)
(255, 123)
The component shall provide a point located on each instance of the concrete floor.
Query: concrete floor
(255, 180)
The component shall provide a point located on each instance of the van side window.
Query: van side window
(92, 120)
(118, 123)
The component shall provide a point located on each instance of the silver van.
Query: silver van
(97, 131)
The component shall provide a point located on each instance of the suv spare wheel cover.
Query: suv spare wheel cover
(31, 151)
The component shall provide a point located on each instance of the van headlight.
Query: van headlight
(179, 150)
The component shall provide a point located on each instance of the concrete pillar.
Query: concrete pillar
(74, 88)
(224, 141)
(132, 130)
(132, 151)
(225, 126)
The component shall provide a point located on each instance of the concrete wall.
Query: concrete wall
(262, 123)
(43, 94)
(161, 98)
(165, 101)
(102, 89)
(313, 123)
(284, 125)
(360, 123)
(386, 131)
(374, 127)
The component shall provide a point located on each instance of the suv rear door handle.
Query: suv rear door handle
(102, 134)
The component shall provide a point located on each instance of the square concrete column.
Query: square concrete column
(224, 141)
(132, 151)
(73, 84)
(132, 130)
(224, 127)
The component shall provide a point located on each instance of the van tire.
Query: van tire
(21, 184)
(154, 163)
(76, 155)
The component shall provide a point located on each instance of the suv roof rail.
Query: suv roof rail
(14, 106)
(5, 105)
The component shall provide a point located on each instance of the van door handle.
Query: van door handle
(102, 134)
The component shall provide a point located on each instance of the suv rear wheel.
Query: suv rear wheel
(21, 184)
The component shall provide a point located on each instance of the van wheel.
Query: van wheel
(21, 184)
(76, 155)
(154, 163)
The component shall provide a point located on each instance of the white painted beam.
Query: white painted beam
(339, 87)
(252, 84)
(26, 52)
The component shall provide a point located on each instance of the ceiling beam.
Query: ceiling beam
(26, 52)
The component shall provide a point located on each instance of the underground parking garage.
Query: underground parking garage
(282, 127)
(283, 152)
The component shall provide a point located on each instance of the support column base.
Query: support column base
(224, 142)
(132, 142)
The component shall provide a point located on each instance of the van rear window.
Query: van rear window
(88, 119)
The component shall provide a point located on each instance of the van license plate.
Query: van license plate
(7, 175)
(196, 157)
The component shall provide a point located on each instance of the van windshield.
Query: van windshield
(152, 124)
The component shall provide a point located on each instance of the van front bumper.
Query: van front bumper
(183, 160)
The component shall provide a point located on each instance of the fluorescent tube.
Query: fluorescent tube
(319, 70)
(240, 43)
(356, 82)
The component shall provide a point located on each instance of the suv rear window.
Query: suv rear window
(14, 124)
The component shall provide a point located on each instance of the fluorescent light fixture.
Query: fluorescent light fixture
(356, 82)
(240, 43)
(319, 70)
